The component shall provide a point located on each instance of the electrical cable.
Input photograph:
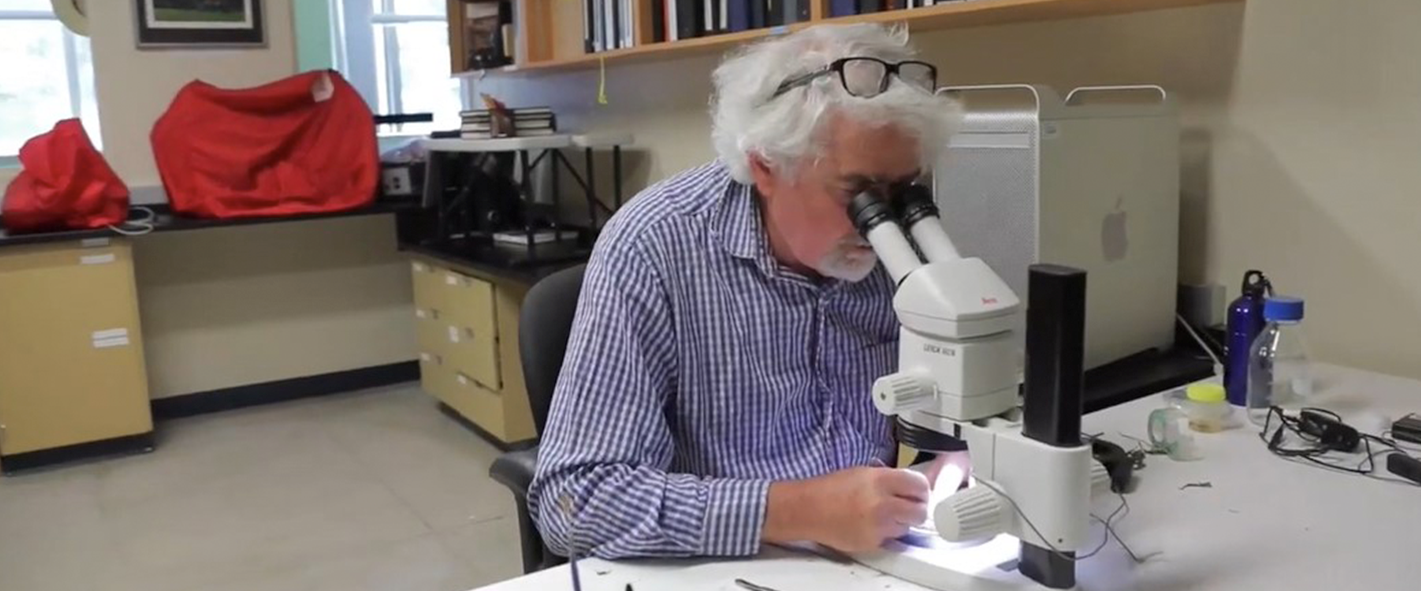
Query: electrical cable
(1316, 454)
(1218, 365)
(143, 225)
(1105, 537)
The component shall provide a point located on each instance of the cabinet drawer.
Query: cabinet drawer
(470, 303)
(428, 286)
(480, 405)
(474, 354)
(434, 377)
(431, 332)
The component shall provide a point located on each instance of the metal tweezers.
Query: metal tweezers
(744, 584)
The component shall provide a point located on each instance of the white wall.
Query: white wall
(234, 306)
(135, 86)
(1302, 119)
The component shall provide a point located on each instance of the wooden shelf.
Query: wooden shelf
(975, 13)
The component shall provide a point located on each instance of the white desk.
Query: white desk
(1265, 524)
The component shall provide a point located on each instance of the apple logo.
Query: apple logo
(1114, 242)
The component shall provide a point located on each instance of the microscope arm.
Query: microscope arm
(956, 378)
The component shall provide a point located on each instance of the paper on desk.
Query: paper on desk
(774, 568)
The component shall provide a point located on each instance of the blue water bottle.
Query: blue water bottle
(1244, 323)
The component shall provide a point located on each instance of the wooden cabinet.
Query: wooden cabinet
(71, 352)
(467, 324)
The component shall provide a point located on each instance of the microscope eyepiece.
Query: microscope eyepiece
(915, 203)
(866, 210)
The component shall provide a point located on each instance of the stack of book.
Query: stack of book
(607, 24)
(529, 122)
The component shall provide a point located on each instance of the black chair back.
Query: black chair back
(543, 329)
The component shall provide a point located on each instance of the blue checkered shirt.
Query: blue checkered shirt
(698, 371)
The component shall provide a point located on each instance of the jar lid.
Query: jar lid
(1205, 393)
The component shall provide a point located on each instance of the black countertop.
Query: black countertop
(1143, 375)
(498, 262)
(165, 221)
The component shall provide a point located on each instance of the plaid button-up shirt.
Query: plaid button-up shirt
(698, 371)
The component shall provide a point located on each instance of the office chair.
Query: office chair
(543, 328)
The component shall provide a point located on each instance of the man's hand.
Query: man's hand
(948, 472)
(851, 510)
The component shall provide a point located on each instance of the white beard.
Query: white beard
(847, 261)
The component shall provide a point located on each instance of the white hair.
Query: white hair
(785, 131)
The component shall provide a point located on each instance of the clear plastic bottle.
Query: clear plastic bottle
(1279, 371)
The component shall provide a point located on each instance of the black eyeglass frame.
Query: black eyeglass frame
(890, 70)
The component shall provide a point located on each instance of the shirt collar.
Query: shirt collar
(742, 230)
(742, 234)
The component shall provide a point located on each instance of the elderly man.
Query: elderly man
(715, 394)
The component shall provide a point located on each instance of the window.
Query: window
(48, 75)
(396, 53)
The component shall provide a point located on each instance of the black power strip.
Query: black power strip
(1404, 466)
(1407, 428)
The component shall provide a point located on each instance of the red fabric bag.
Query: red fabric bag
(304, 144)
(66, 185)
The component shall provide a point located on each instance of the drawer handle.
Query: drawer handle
(458, 335)
(468, 381)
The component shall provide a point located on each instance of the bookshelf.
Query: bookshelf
(549, 33)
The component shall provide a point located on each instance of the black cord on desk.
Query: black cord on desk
(1317, 452)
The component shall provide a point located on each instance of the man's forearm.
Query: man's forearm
(790, 513)
(636, 511)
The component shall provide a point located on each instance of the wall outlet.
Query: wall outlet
(1202, 305)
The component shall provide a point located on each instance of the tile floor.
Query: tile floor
(369, 490)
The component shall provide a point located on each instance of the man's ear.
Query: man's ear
(763, 175)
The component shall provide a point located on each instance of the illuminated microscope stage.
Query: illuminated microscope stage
(936, 563)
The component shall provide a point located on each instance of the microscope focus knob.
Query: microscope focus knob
(900, 392)
(970, 514)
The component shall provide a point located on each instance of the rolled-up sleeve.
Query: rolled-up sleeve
(603, 486)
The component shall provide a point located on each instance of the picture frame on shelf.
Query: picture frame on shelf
(197, 24)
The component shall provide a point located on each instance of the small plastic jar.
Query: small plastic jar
(1206, 406)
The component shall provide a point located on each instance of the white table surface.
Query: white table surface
(1266, 523)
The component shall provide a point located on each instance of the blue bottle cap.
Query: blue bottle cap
(1283, 308)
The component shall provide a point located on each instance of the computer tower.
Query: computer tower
(1091, 181)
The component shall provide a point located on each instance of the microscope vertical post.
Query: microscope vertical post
(1053, 389)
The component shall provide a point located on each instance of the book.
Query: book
(587, 21)
(658, 21)
(520, 111)
(758, 18)
(738, 15)
(688, 17)
(628, 31)
(599, 28)
(614, 20)
(801, 11)
(519, 124)
(843, 8)
(867, 6)
(774, 13)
